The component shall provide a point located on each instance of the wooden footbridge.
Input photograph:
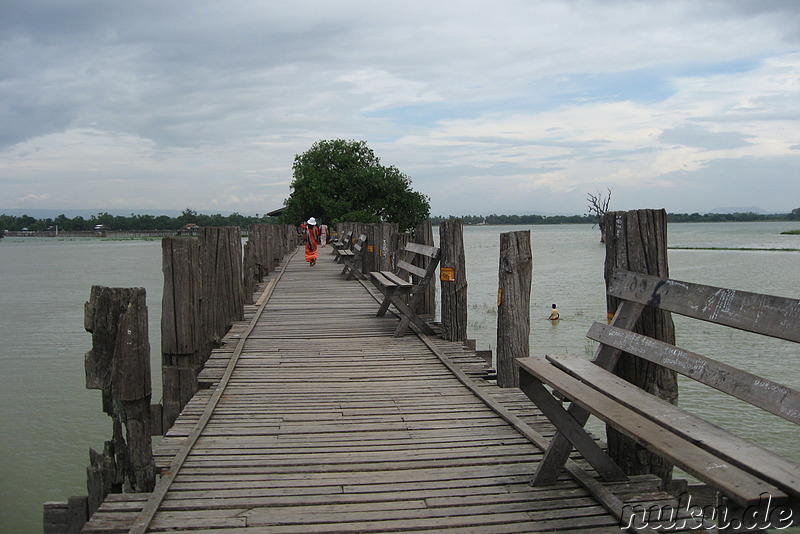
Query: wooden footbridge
(315, 418)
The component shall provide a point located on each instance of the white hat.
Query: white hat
(312, 221)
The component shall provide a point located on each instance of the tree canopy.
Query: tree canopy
(338, 180)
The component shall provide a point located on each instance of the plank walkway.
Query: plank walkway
(316, 419)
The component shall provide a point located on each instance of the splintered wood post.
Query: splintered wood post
(453, 276)
(513, 304)
(637, 241)
(423, 234)
(182, 343)
(118, 364)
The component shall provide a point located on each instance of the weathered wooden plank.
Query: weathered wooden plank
(753, 312)
(771, 396)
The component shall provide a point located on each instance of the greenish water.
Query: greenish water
(48, 420)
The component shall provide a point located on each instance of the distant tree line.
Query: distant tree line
(133, 222)
(794, 215)
(519, 219)
(189, 216)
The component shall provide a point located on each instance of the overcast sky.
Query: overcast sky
(489, 107)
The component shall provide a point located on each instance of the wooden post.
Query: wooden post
(423, 234)
(637, 241)
(119, 365)
(249, 271)
(513, 304)
(182, 341)
(453, 276)
(386, 246)
(65, 517)
(369, 259)
(275, 246)
(223, 294)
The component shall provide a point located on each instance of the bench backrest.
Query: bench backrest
(767, 315)
(344, 239)
(419, 275)
(358, 246)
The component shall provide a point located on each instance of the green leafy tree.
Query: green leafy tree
(340, 180)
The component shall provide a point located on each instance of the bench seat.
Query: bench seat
(348, 258)
(403, 293)
(672, 432)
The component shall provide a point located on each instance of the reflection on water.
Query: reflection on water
(48, 421)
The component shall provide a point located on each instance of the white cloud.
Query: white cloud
(525, 105)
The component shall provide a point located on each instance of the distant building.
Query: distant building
(189, 229)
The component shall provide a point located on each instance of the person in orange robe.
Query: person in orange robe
(311, 234)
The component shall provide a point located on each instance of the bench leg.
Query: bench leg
(409, 316)
(355, 273)
(556, 456)
(574, 435)
(558, 452)
(384, 306)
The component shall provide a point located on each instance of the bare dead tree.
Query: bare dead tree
(598, 206)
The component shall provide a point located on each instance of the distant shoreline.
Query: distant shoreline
(745, 249)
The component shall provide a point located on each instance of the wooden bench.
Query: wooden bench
(742, 471)
(348, 257)
(340, 244)
(405, 294)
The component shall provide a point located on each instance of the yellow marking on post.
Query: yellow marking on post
(447, 274)
(499, 297)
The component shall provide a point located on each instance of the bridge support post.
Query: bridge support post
(119, 365)
(513, 304)
(453, 278)
(637, 241)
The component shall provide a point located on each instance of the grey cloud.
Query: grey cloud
(693, 136)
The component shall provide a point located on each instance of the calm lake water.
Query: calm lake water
(48, 420)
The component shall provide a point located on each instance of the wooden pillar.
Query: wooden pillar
(258, 238)
(275, 246)
(223, 294)
(118, 364)
(386, 243)
(65, 517)
(250, 271)
(423, 234)
(637, 241)
(182, 340)
(369, 261)
(513, 304)
(452, 267)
